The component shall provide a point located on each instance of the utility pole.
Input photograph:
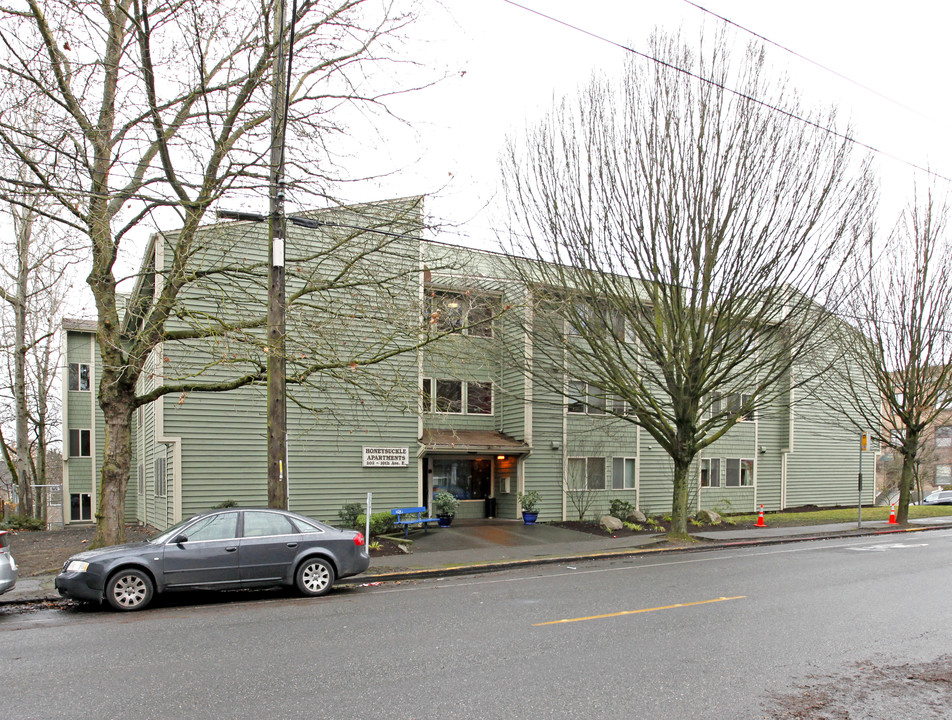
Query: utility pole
(277, 366)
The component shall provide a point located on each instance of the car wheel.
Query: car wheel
(314, 577)
(129, 590)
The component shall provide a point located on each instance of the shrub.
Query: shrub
(445, 503)
(634, 527)
(620, 509)
(348, 515)
(22, 522)
(380, 522)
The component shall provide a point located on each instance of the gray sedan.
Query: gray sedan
(8, 566)
(219, 549)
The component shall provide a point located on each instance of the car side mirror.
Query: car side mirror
(179, 539)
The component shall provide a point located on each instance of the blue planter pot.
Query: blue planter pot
(529, 518)
(444, 520)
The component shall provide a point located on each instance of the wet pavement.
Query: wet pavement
(487, 545)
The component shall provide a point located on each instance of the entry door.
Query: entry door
(207, 557)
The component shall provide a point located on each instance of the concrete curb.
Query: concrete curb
(477, 568)
(488, 567)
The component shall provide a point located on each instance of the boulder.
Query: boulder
(708, 517)
(636, 516)
(610, 523)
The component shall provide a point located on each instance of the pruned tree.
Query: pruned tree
(164, 106)
(684, 238)
(901, 302)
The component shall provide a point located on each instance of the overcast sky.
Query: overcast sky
(506, 65)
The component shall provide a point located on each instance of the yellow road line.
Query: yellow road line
(643, 610)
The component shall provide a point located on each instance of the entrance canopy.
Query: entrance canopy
(454, 442)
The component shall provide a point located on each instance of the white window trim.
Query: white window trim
(79, 374)
(464, 396)
(721, 465)
(741, 461)
(587, 459)
(634, 475)
(69, 440)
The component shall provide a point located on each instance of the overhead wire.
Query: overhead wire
(732, 91)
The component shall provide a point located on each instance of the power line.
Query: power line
(725, 88)
(809, 60)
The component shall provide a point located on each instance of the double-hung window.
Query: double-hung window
(943, 436)
(623, 473)
(78, 376)
(711, 472)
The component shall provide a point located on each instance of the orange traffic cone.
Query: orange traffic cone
(892, 515)
(760, 518)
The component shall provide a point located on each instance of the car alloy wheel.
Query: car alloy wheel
(129, 590)
(314, 577)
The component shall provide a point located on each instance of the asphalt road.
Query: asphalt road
(743, 633)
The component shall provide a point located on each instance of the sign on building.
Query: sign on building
(375, 456)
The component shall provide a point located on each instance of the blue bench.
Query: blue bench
(404, 517)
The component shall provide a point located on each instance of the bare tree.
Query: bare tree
(32, 266)
(685, 239)
(902, 305)
(165, 107)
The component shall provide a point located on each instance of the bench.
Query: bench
(404, 517)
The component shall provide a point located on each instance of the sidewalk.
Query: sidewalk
(485, 546)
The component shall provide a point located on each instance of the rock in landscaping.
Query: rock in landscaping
(708, 517)
(611, 523)
(636, 516)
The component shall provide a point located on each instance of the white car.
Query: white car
(8, 566)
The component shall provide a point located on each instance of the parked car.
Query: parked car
(219, 549)
(939, 497)
(8, 566)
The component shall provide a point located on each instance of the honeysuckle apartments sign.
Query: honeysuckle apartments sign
(381, 456)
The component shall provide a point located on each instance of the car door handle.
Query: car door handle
(230, 549)
(292, 545)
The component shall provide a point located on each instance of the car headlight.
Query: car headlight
(76, 566)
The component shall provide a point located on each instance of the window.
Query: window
(623, 473)
(943, 436)
(735, 401)
(479, 398)
(586, 473)
(739, 472)
(263, 524)
(80, 443)
(452, 396)
(216, 527)
(943, 474)
(80, 506)
(942, 398)
(711, 472)
(896, 438)
(585, 398)
(160, 483)
(620, 406)
(452, 311)
(79, 376)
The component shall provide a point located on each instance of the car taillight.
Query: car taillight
(359, 539)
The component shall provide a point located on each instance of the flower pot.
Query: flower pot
(529, 518)
(444, 520)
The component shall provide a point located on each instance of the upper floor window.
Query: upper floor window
(452, 312)
(732, 404)
(943, 436)
(80, 443)
(457, 396)
(79, 376)
(585, 398)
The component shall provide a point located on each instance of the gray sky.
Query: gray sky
(516, 62)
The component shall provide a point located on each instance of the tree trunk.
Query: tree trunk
(679, 503)
(117, 405)
(909, 451)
